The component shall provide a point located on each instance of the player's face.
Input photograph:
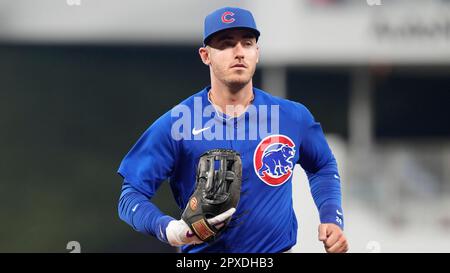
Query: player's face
(232, 56)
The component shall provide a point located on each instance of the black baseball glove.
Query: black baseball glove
(217, 190)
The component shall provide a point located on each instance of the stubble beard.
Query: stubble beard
(235, 84)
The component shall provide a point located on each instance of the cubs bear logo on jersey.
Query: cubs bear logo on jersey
(273, 159)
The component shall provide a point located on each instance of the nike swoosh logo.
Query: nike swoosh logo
(338, 212)
(336, 176)
(161, 232)
(134, 208)
(196, 132)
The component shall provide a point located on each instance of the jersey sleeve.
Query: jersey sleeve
(153, 157)
(320, 165)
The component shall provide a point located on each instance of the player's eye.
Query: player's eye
(248, 43)
(228, 43)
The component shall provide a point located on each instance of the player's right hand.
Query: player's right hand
(178, 232)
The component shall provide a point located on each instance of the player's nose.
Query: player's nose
(239, 50)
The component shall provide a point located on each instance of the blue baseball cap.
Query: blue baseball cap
(227, 18)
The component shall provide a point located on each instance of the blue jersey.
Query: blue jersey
(271, 136)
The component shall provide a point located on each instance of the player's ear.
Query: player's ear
(204, 55)
(257, 53)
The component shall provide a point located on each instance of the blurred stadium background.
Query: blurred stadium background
(80, 80)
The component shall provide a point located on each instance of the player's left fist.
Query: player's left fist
(333, 238)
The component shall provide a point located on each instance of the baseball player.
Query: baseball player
(270, 134)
